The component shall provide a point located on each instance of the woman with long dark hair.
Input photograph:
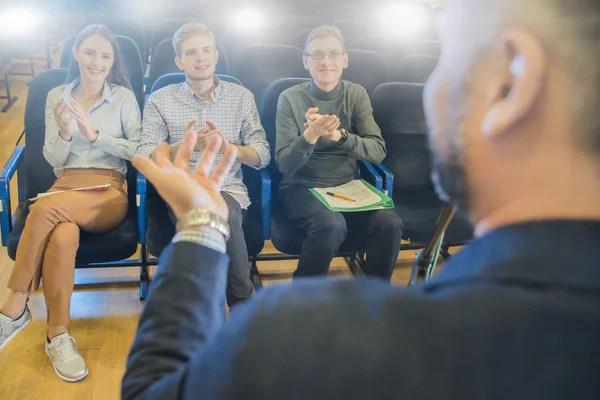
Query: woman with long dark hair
(92, 127)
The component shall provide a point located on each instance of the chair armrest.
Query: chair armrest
(9, 170)
(146, 79)
(258, 183)
(388, 178)
(265, 202)
(367, 172)
(141, 203)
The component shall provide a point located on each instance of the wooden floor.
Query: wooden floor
(105, 309)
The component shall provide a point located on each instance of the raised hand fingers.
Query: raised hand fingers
(222, 169)
(77, 112)
(211, 125)
(59, 107)
(335, 126)
(311, 113)
(76, 105)
(320, 121)
(334, 123)
(61, 110)
(182, 158)
(202, 131)
(208, 155)
(190, 125)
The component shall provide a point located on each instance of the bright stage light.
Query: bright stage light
(17, 22)
(248, 20)
(402, 20)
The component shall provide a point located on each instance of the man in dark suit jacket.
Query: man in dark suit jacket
(514, 124)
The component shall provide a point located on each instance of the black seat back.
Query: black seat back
(414, 68)
(262, 64)
(124, 26)
(163, 61)
(366, 68)
(398, 110)
(268, 115)
(132, 62)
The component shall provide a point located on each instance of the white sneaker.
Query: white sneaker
(9, 327)
(67, 362)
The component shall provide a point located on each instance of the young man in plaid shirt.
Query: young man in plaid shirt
(207, 106)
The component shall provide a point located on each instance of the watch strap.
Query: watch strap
(198, 217)
(344, 137)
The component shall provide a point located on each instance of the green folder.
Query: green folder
(384, 200)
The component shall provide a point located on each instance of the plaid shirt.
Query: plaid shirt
(231, 108)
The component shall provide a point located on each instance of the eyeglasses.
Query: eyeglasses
(319, 55)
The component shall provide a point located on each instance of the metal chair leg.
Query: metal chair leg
(425, 263)
(144, 276)
(255, 274)
(11, 100)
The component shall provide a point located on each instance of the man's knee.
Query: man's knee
(389, 222)
(65, 236)
(329, 228)
(236, 215)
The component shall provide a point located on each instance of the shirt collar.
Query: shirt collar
(323, 95)
(538, 253)
(214, 95)
(67, 93)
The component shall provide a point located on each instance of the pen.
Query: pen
(339, 196)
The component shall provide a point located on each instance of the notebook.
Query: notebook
(354, 196)
(89, 188)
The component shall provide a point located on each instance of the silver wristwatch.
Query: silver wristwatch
(200, 217)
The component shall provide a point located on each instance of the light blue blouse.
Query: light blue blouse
(116, 116)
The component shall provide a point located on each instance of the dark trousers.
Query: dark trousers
(239, 284)
(325, 231)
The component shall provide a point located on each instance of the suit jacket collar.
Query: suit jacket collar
(560, 252)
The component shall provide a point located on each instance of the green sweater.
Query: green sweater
(325, 163)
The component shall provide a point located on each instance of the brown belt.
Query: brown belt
(93, 171)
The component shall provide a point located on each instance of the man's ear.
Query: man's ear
(179, 63)
(305, 62)
(346, 59)
(513, 93)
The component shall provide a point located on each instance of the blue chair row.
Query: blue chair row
(147, 212)
(265, 220)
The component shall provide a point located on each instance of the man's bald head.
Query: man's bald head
(569, 31)
(513, 103)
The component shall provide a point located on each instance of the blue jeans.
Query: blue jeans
(379, 232)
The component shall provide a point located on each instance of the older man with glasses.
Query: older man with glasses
(323, 128)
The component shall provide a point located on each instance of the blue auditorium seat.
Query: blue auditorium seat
(35, 175)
